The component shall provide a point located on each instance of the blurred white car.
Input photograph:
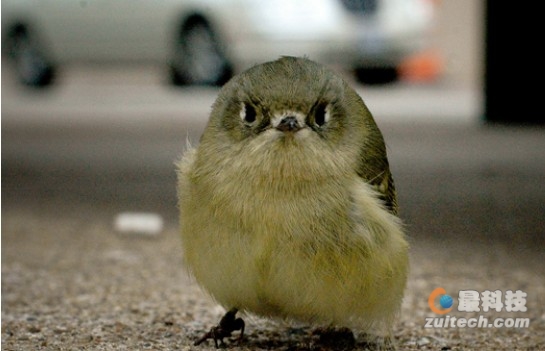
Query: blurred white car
(206, 41)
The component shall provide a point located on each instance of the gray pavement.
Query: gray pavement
(472, 197)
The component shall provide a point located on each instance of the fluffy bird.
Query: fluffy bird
(288, 207)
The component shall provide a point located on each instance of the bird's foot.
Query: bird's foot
(227, 325)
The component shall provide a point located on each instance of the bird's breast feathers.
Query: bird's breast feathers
(287, 236)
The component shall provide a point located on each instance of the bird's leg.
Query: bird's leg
(227, 325)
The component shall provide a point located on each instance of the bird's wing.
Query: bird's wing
(375, 170)
(383, 183)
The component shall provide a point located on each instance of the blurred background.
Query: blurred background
(99, 98)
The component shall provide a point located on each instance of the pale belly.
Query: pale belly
(307, 268)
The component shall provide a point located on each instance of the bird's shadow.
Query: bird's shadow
(308, 339)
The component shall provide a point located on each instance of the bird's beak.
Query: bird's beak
(289, 124)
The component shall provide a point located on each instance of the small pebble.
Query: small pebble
(34, 329)
(423, 341)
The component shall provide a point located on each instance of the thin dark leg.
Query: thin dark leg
(227, 325)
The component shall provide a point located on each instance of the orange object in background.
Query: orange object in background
(425, 66)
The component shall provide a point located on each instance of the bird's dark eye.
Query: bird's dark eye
(321, 115)
(248, 113)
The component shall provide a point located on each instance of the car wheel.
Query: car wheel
(376, 75)
(198, 57)
(31, 65)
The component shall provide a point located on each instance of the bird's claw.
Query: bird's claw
(227, 325)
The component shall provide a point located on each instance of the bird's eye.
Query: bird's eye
(321, 114)
(248, 113)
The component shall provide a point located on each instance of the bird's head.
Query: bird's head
(291, 111)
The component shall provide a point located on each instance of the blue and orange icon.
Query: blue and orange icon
(445, 301)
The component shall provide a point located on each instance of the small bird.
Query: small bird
(288, 207)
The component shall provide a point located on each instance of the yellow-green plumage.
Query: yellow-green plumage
(296, 224)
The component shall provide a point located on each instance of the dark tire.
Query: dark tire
(198, 57)
(31, 66)
(376, 75)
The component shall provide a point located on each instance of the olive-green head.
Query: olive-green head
(295, 114)
(289, 96)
